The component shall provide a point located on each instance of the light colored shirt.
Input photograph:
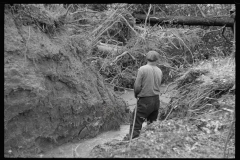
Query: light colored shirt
(148, 81)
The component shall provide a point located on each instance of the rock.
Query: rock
(49, 94)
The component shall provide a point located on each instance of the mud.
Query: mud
(83, 148)
(50, 96)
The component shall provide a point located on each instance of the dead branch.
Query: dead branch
(228, 138)
(223, 30)
(129, 25)
(79, 11)
(230, 132)
(162, 10)
(78, 20)
(104, 23)
(132, 56)
(149, 9)
(201, 10)
(214, 30)
(114, 49)
(170, 112)
(126, 52)
(71, 5)
(184, 45)
(114, 78)
(167, 66)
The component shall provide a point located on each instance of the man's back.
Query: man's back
(148, 81)
(146, 90)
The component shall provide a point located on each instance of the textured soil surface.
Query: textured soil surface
(208, 133)
(83, 148)
(50, 96)
(173, 139)
(57, 105)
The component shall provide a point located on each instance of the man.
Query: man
(146, 90)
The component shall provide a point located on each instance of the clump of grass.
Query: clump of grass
(48, 20)
(201, 86)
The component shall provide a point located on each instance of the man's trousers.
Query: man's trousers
(147, 108)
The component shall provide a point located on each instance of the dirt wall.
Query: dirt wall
(50, 96)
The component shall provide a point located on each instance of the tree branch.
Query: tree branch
(201, 11)
(126, 52)
(185, 20)
(149, 9)
(228, 138)
(110, 48)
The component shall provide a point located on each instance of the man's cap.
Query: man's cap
(152, 56)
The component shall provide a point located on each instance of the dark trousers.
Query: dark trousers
(147, 108)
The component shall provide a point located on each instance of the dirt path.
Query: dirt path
(84, 147)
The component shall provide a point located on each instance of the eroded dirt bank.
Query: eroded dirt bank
(83, 148)
(50, 96)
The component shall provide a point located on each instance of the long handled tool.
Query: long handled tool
(134, 119)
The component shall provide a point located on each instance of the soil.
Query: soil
(83, 148)
(55, 105)
(208, 134)
(170, 139)
(50, 96)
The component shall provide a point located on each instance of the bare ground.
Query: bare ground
(83, 148)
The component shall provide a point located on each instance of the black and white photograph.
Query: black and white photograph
(119, 80)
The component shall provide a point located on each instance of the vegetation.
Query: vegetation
(196, 58)
(179, 46)
(108, 38)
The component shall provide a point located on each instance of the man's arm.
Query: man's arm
(138, 83)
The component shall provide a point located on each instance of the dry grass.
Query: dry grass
(198, 126)
(199, 89)
(170, 139)
(175, 46)
(46, 19)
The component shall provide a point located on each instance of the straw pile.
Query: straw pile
(200, 88)
(203, 94)
(54, 18)
(175, 46)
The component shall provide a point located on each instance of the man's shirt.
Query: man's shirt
(148, 81)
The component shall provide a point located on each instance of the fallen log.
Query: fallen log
(113, 49)
(184, 20)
